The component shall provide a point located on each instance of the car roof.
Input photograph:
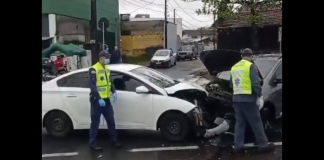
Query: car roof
(164, 50)
(118, 67)
(267, 56)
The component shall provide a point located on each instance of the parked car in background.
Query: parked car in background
(163, 58)
(187, 52)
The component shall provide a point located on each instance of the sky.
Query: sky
(184, 10)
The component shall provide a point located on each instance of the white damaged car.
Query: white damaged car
(147, 100)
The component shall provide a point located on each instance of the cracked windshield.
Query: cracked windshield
(155, 77)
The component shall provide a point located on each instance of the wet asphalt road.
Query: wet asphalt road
(182, 69)
(75, 147)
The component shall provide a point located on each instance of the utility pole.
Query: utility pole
(174, 16)
(165, 24)
(214, 39)
(93, 30)
(201, 34)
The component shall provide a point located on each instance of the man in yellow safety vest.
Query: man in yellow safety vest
(246, 91)
(101, 92)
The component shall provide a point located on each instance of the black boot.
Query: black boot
(96, 148)
(239, 150)
(115, 145)
(270, 148)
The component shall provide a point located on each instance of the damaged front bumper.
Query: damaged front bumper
(198, 124)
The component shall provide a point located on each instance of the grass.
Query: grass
(141, 60)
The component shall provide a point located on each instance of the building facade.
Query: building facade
(69, 21)
(205, 36)
(178, 22)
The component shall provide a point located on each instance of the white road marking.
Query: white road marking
(163, 149)
(60, 154)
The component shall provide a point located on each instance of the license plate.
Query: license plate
(182, 56)
(158, 62)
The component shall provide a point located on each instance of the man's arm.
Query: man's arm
(231, 83)
(92, 83)
(256, 86)
(112, 88)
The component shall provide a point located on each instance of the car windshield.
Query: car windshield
(186, 48)
(264, 66)
(161, 53)
(155, 77)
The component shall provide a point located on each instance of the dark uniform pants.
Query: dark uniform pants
(108, 114)
(248, 112)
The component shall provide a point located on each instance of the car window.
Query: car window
(224, 75)
(124, 82)
(161, 53)
(155, 77)
(264, 65)
(279, 72)
(76, 80)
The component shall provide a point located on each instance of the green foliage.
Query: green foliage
(228, 9)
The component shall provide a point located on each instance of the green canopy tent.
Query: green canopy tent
(69, 50)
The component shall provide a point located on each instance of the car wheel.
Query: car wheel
(175, 63)
(169, 64)
(175, 126)
(191, 58)
(58, 124)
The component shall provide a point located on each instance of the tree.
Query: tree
(229, 9)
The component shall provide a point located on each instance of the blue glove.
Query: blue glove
(115, 96)
(102, 103)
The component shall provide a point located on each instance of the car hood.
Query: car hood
(219, 60)
(184, 86)
(157, 58)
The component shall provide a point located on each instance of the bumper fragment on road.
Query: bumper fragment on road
(60, 154)
(253, 145)
(154, 149)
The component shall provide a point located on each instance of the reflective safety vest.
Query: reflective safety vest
(103, 82)
(241, 80)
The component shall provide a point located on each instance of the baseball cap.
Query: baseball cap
(247, 52)
(104, 54)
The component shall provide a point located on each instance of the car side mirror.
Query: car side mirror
(141, 90)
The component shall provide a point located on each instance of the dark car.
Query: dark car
(219, 63)
(187, 52)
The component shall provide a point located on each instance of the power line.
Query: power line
(142, 7)
(188, 13)
(124, 7)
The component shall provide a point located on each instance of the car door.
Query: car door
(131, 109)
(276, 90)
(75, 94)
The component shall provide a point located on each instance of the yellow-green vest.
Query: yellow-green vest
(103, 84)
(241, 80)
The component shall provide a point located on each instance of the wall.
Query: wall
(178, 23)
(141, 39)
(81, 9)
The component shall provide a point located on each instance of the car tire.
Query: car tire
(169, 64)
(58, 124)
(191, 58)
(175, 63)
(178, 120)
